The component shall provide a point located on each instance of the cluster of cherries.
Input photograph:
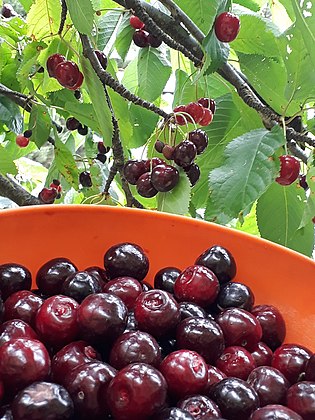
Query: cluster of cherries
(22, 140)
(200, 112)
(73, 124)
(65, 71)
(49, 194)
(141, 37)
(101, 343)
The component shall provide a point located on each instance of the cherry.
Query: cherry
(289, 170)
(127, 288)
(77, 85)
(52, 274)
(48, 195)
(101, 157)
(173, 413)
(154, 41)
(98, 272)
(184, 153)
(219, 260)
(165, 278)
(135, 22)
(135, 346)
(180, 119)
(215, 375)
(14, 277)
(199, 138)
(303, 183)
(164, 177)
(85, 179)
(188, 309)
(158, 146)
(102, 148)
(22, 362)
(43, 400)
(22, 141)
(200, 407)
(193, 173)
(22, 305)
(150, 164)
(236, 361)
(274, 411)
(126, 259)
(81, 284)
(235, 398)
(262, 354)
(72, 124)
(301, 399)
(101, 317)
(83, 130)
(101, 58)
(237, 295)
(168, 152)
(137, 392)
(15, 328)
(28, 133)
(272, 324)
(140, 38)
(197, 284)
(201, 335)
(6, 413)
(67, 73)
(52, 63)
(7, 11)
(196, 111)
(310, 369)
(133, 169)
(56, 184)
(291, 360)
(208, 103)
(226, 27)
(207, 117)
(185, 372)
(157, 312)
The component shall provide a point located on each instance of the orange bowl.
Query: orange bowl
(277, 276)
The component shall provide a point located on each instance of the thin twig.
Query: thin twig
(63, 16)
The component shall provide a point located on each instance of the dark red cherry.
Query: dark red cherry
(201, 335)
(165, 278)
(154, 41)
(193, 173)
(101, 58)
(43, 400)
(98, 272)
(199, 138)
(22, 141)
(262, 354)
(140, 38)
(237, 295)
(52, 63)
(301, 399)
(310, 369)
(101, 157)
(168, 152)
(16, 328)
(14, 277)
(275, 411)
(126, 259)
(289, 170)
(133, 169)
(137, 392)
(83, 130)
(226, 27)
(67, 73)
(236, 361)
(164, 177)
(81, 284)
(135, 22)
(135, 346)
(188, 309)
(158, 146)
(207, 117)
(196, 111)
(215, 375)
(172, 413)
(208, 103)
(200, 407)
(48, 195)
(219, 260)
(181, 117)
(185, 153)
(72, 124)
(102, 148)
(145, 187)
(126, 288)
(272, 324)
(150, 164)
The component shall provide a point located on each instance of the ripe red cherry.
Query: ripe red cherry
(22, 305)
(180, 119)
(207, 117)
(226, 27)
(236, 361)
(52, 63)
(301, 399)
(196, 111)
(289, 170)
(21, 140)
(275, 411)
(272, 324)
(199, 407)
(140, 38)
(76, 86)
(135, 22)
(145, 187)
(48, 195)
(164, 177)
(208, 103)
(133, 169)
(262, 354)
(67, 73)
(126, 288)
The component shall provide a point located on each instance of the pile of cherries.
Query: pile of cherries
(141, 37)
(101, 343)
(200, 112)
(65, 71)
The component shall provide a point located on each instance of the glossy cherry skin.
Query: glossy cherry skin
(207, 117)
(42, 400)
(193, 173)
(180, 117)
(219, 260)
(85, 179)
(208, 103)
(200, 407)
(16, 328)
(135, 346)
(289, 170)
(188, 309)
(137, 392)
(201, 335)
(164, 177)
(215, 375)
(240, 328)
(237, 295)
(22, 305)
(262, 354)
(291, 360)
(197, 284)
(226, 27)
(172, 413)
(272, 324)
(157, 312)
(52, 63)
(195, 110)
(67, 73)
(70, 357)
(154, 41)
(56, 321)
(235, 398)
(6, 413)
(140, 38)
(135, 22)
(185, 153)
(301, 398)
(22, 362)
(48, 195)
(310, 369)
(236, 361)
(72, 124)
(145, 187)
(150, 164)
(52, 274)
(80, 284)
(126, 259)
(133, 169)
(102, 317)
(98, 272)
(274, 412)
(165, 278)
(1, 309)
(185, 372)
(87, 385)
(270, 385)
(199, 138)
(14, 277)
(22, 141)
(126, 288)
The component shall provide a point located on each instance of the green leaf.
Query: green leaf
(249, 4)
(7, 165)
(249, 223)
(40, 124)
(202, 12)
(121, 107)
(98, 99)
(248, 170)
(143, 122)
(43, 18)
(10, 115)
(65, 163)
(130, 77)
(30, 56)
(84, 113)
(279, 213)
(26, 4)
(5, 54)
(106, 26)
(177, 200)
(124, 36)
(153, 73)
(82, 15)
(309, 210)
(216, 53)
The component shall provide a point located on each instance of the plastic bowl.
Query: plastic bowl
(277, 275)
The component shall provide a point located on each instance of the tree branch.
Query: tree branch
(16, 193)
(19, 98)
(63, 16)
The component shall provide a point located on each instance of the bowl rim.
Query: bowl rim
(170, 217)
